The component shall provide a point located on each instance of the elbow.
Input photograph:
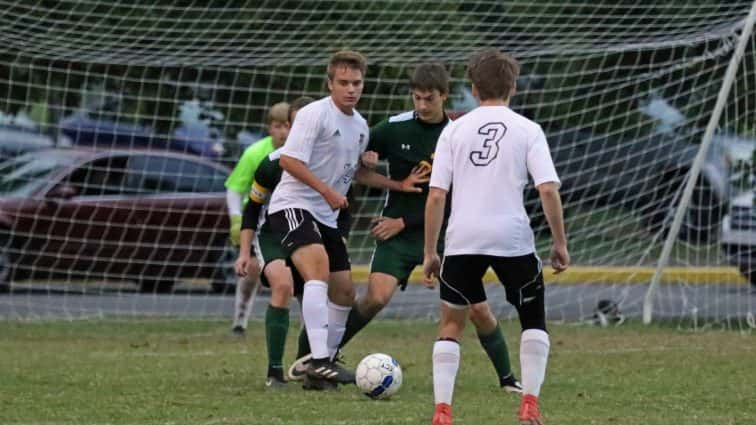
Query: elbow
(287, 163)
(436, 196)
(548, 189)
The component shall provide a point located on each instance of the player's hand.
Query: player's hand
(242, 264)
(235, 229)
(419, 175)
(431, 270)
(335, 200)
(560, 258)
(384, 228)
(369, 159)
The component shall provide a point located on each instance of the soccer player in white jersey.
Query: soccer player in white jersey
(320, 158)
(487, 156)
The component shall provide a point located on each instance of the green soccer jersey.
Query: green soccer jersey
(240, 180)
(406, 142)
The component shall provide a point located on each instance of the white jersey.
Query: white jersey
(330, 143)
(486, 156)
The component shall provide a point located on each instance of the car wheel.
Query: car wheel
(224, 278)
(155, 286)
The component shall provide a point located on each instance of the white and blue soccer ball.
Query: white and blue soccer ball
(379, 376)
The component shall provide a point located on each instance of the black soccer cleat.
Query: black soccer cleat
(238, 330)
(316, 384)
(510, 384)
(329, 371)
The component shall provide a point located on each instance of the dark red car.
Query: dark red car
(146, 216)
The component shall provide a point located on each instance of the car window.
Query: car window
(155, 174)
(104, 176)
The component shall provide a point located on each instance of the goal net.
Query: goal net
(147, 103)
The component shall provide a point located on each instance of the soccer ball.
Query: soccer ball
(379, 376)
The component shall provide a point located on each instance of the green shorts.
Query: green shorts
(269, 247)
(397, 257)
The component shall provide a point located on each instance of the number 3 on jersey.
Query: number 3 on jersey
(493, 131)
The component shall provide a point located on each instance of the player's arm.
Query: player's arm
(236, 188)
(372, 178)
(296, 153)
(542, 170)
(435, 205)
(434, 218)
(552, 208)
(298, 169)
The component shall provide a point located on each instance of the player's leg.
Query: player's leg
(381, 288)
(245, 287)
(461, 286)
(279, 279)
(525, 291)
(391, 266)
(302, 241)
(492, 340)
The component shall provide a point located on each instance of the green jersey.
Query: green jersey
(406, 142)
(240, 180)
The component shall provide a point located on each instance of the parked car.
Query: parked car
(86, 129)
(148, 216)
(738, 237)
(15, 141)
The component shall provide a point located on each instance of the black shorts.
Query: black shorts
(296, 228)
(462, 278)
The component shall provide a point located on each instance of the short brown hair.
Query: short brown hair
(493, 73)
(279, 113)
(348, 58)
(298, 104)
(430, 76)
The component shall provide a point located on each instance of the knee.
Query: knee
(374, 303)
(253, 269)
(482, 316)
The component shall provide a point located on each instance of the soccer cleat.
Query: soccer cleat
(529, 414)
(330, 371)
(275, 383)
(510, 384)
(238, 330)
(315, 384)
(442, 415)
(298, 369)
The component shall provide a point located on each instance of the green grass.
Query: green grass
(191, 372)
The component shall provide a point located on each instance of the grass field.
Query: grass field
(191, 372)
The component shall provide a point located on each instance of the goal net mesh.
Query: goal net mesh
(167, 94)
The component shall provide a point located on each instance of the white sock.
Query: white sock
(337, 318)
(534, 353)
(315, 315)
(445, 367)
(242, 306)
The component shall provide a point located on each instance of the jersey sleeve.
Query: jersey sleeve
(267, 176)
(540, 164)
(378, 136)
(441, 175)
(302, 136)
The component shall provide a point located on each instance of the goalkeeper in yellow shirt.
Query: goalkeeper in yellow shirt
(238, 186)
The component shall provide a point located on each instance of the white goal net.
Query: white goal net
(118, 121)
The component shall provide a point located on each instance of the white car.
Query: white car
(739, 234)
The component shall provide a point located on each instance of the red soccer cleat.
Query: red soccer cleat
(442, 416)
(529, 414)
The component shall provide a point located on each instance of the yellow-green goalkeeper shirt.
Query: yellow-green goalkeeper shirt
(240, 180)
